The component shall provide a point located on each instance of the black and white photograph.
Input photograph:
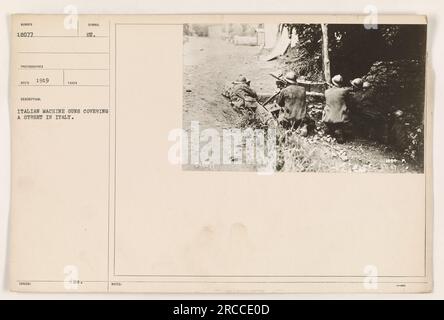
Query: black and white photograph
(333, 98)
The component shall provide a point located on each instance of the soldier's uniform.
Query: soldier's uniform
(292, 101)
(242, 95)
(245, 99)
(244, 90)
(336, 109)
(336, 114)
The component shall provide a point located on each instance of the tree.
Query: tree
(325, 54)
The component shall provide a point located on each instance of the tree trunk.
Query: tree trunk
(325, 55)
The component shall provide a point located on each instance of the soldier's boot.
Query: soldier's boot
(339, 135)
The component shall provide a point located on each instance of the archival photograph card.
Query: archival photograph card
(220, 154)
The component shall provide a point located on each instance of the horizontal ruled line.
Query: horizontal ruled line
(49, 52)
(236, 282)
(260, 276)
(66, 37)
(62, 85)
(61, 69)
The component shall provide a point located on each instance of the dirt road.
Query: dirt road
(209, 64)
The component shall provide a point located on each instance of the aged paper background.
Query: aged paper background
(100, 195)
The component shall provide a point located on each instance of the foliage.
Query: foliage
(399, 92)
(390, 57)
(353, 48)
(200, 30)
(187, 30)
(305, 64)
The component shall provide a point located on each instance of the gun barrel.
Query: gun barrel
(276, 77)
(270, 99)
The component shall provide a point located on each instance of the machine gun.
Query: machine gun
(314, 89)
(281, 83)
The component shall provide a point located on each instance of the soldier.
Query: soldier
(357, 96)
(242, 94)
(292, 100)
(245, 99)
(336, 112)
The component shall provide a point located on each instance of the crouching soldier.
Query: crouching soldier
(242, 95)
(245, 99)
(336, 112)
(291, 99)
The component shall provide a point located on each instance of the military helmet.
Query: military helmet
(242, 79)
(337, 80)
(291, 77)
(357, 83)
